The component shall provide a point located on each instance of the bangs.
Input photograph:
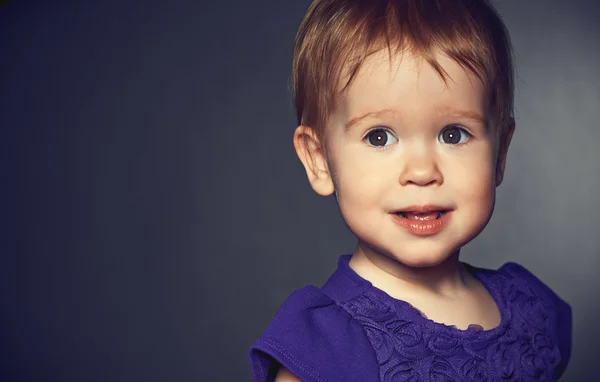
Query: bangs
(337, 36)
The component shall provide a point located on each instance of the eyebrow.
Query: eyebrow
(446, 110)
(464, 113)
(356, 120)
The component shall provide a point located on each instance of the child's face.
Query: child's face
(410, 159)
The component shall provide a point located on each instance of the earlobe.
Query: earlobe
(505, 139)
(309, 151)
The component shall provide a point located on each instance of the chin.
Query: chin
(423, 257)
(422, 260)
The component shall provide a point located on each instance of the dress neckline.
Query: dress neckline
(476, 331)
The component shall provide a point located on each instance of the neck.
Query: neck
(446, 279)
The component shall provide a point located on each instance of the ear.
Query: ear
(311, 155)
(505, 139)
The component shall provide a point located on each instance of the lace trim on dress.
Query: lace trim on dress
(411, 347)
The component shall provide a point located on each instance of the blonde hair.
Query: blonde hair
(336, 36)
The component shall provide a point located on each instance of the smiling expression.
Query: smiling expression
(403, 137)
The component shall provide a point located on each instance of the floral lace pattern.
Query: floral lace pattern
(410, 347)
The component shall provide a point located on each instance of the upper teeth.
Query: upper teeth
(420, 216)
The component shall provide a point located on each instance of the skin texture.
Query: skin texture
(284, 375)
(376, 172)
(415, 167)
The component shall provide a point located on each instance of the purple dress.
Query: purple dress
(351, 331)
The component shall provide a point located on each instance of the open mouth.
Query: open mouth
(422, 216)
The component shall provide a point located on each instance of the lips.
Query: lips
(423, 221)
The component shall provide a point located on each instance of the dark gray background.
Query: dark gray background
(155, 216)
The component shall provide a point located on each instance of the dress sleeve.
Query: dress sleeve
(565, 325)
(563, 309)
(316, 340)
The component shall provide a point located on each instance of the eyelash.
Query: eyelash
(458, 127)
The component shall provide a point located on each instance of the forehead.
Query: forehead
(410, 87)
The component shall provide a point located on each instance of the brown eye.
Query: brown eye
(454, 135)
(379, 137)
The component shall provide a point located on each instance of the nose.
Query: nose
(421, 169)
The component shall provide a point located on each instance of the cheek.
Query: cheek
(360, 181)
(474, 184)
(360, 189)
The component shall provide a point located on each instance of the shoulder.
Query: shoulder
(316, 340)
(525, 279)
